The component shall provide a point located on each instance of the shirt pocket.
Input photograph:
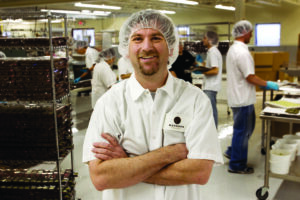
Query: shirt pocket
(174, 128)
(173, 137)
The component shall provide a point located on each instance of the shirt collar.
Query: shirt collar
(136, 90)
(241, 43)
(210, 49)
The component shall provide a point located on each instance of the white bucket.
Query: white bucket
(297, 133)
(294, 138)
(280, 155)
(279, 167)
(289, 148)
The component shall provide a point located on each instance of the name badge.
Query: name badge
(176, 122)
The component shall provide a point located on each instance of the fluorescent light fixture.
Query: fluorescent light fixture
(170, 12)
(76, 12)
(294, 2)
(182, 2)
(97, 6)
(100, 13)
(225, 7)
(62, 11)
(267, 3)
(52, 21)
(12, 21)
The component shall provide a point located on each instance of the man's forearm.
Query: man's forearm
(187, 171)
(124, 172)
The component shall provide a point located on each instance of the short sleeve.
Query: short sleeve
(201, 134)
(102, 120)
(245, 63)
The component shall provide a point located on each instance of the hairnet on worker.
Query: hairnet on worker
(212, 37)
(241, 28)
(106, 54)
(149, 19)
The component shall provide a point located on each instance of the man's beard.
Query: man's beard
(150, 72)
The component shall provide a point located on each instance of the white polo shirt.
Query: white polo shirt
(239, 65)
(140, 124)
(91, 55)
(103, 78)
(124, 67)
(213, 59)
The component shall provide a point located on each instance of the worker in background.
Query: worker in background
(2, 55)
(103, 76)
(91, 56)
(151, 136)
(241, 94)
(181, 67)
(125, 68)
(212, 77)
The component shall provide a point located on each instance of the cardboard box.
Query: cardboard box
(268, 63)
(263, 58)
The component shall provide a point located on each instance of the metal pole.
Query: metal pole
(239, 10)
(54, 103)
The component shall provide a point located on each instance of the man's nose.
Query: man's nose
(147, 44)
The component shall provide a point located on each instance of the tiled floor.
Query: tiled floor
(221, 186)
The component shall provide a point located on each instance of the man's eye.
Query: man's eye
(136, 39)
(157, 38)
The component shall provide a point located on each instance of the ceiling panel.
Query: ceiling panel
(128, 6)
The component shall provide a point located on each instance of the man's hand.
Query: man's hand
(108, 151)
(179, 150)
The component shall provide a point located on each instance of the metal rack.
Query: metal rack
(294, 174)
(29, 15)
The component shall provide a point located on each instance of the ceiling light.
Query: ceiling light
(182, 1)
(294, 2)
(170, 12)
(62, 11)
(76, 12)
(267, 3)
(97, 6)
(52, 21)
(101, 13)
(225, 7)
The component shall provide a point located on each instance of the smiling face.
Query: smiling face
(148, 52)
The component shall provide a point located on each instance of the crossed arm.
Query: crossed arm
(165, 166)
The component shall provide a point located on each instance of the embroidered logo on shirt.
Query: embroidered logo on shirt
(177, 120)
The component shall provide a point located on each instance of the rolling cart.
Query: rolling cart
(294, 172)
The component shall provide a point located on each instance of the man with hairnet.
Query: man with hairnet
(212, 77)
(151, 136)
(103, 77)
(241, 94)
(124, 68)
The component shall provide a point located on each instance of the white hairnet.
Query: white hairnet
(149, 19)
(107, 54)
(241, 28)
(212, 37)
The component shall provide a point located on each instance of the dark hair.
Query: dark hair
(212, 37)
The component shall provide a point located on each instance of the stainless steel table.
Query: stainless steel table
(294, 172)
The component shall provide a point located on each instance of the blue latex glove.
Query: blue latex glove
(77, 80)
(197, 72)
(199, 58)
(272, 85)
